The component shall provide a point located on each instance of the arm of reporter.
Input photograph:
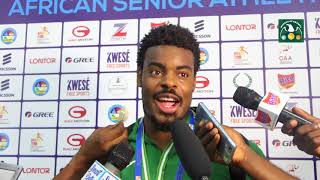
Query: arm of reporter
(244, 157)
(96, 147)
(258, 167)
(306, 137)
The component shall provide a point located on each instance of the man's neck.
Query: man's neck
(160, 138)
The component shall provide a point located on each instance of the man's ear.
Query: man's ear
(139, 77)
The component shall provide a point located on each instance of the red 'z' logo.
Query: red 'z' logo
(119, 32)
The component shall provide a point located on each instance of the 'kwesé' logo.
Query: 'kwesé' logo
(117, 113)
(118, 59)
(8, 36)
(78, 87)
(239, 114)
(204, 56)
(4, 141)
(41, 87)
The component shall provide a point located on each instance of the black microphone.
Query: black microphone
(250, 99)
(193, 157)
(118, 159)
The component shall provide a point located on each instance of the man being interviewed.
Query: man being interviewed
(168, 59)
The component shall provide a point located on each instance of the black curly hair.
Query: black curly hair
(170, 35)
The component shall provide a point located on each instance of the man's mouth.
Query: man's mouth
(167, 103)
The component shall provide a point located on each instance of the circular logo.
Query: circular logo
(77, 112)
(117, 85)
(276, 142)
(76, 139)
(8, 36)
(68, 60)
(80, 31)
(117, 113)
(246, 82)
(28, 114)
(204, 56)
(202, 82)
(40, 87)
(4, 141)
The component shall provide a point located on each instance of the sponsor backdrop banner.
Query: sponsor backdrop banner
(69, 67)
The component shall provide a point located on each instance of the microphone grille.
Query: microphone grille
(121, 155)
(247, 98)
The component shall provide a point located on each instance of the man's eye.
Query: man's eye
(155, 73)
(184, 75)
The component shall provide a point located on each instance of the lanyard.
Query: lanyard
(141, 155)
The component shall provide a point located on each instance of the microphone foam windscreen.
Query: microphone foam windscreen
(247, 98)
(190, 150)
(121, 155)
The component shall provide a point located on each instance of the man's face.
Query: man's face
(167, 82)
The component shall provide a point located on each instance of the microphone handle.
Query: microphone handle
(287, 115)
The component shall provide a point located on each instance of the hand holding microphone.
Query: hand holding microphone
(273, 103)
(304, 127)
(306, 137)
(96, 147)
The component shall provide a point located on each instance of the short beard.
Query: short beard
(165, 127)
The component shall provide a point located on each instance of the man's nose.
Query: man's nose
(169, 81)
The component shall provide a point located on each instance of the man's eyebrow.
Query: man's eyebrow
(163, 66)
(184, 67)
(156, 64)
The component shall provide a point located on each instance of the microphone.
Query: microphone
(117, 160)
(193, 157)
(250, 99)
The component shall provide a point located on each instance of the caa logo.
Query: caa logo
(77, 112)
(80, 31)
(4, 141)
(41, 87)
(202, 82)
(204, 56)
(8, 36)
(117, 113)
(76, 140)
